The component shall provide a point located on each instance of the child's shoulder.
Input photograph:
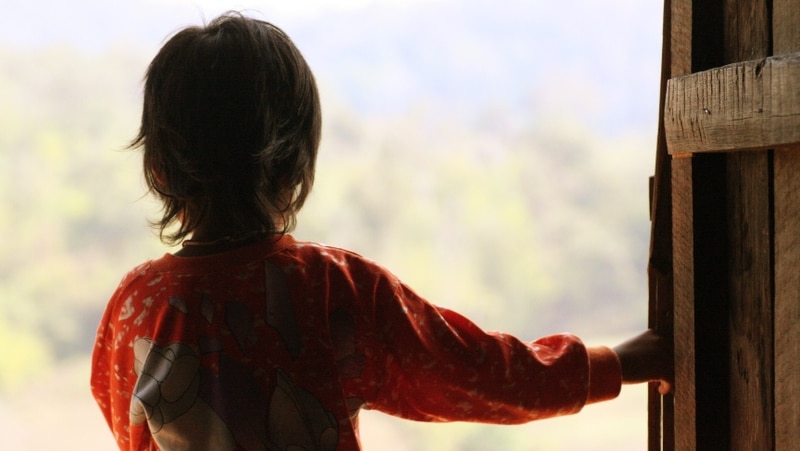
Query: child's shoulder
(137, 272)
(325, 251)
(312, 251)
(314, 247)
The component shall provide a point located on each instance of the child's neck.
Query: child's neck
(213, 240)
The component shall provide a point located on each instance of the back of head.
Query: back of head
(230, 127)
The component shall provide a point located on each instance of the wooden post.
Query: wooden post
(660, 410)
(675, 61)
(750, 271)
(787, 298)
(786, 188)
(684, 339)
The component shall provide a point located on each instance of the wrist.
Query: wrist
(605, 374)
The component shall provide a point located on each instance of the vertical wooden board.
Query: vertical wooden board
(685, 419)
(786, 26)
(680, 37)
(786, 189)
(787, 298)
(751, 306)
(750, 272)
(676, 60)
(747, 30)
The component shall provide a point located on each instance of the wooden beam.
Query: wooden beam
(685, 419)
(676, 59)
(755, 91)
(742, 106)
(786, 189)
(751, 300)
(787, 298)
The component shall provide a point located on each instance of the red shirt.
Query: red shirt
(281, 343)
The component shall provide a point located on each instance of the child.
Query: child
(249, 339)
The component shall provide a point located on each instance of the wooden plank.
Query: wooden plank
(787, 298)
(680, 37)
(786, 189)
(749, 212)
(685, 433)
(746, 30)
(741, 106)
(751, 301)
(785, 26)
(675, 60)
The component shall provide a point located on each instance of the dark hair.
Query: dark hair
(231, 123)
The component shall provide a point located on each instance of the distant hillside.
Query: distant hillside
(597, 61)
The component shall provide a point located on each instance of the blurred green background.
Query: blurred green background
(493, 154)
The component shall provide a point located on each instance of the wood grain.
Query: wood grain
(746, 30)
(684, 431)
(785, 26)
(751, 300)
(741, 106)
(787, 298)
(749, 210)
(675, 60)
(734, 136)
(786, 39)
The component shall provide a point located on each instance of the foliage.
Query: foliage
(68, 194)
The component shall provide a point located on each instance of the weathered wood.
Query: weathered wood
(787, 298)
(746, 30)
(751, 305)
(741, 106)
(680, 37)
(750, 271)
(701, 414)
(734, 135)
(675, 61)
(684, 431)
(785, 26)
(786, 189)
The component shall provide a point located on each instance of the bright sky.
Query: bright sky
(96, 23)
(292, 7)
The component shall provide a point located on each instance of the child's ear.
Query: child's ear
(159, 181)
(159, 178)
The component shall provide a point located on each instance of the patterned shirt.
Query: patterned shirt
(278, 345)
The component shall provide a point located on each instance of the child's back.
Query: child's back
(282, 342)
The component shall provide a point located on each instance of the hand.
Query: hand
(646, 358)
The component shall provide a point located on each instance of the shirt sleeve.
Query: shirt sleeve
(436, 365)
